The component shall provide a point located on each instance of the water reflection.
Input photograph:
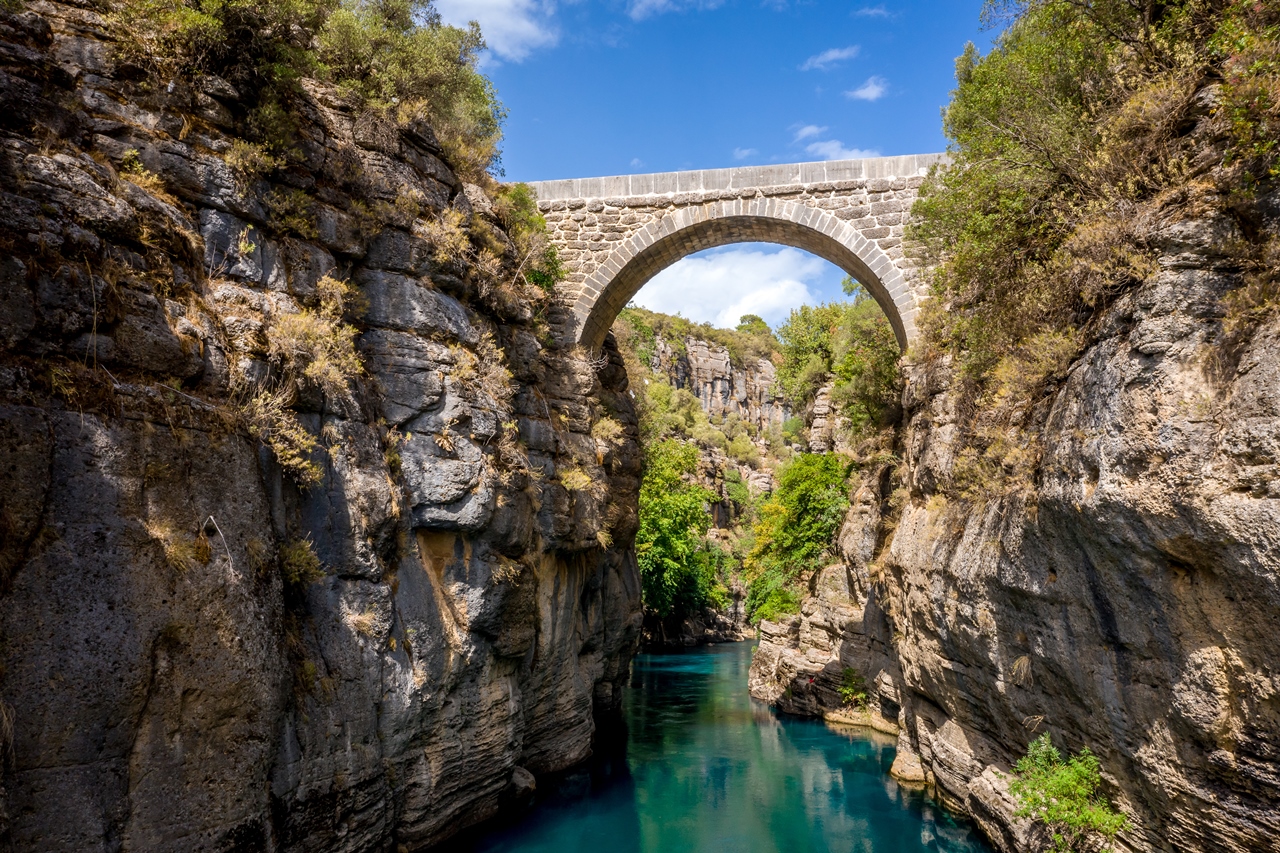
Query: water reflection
(708, 769)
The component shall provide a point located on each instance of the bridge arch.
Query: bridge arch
(687, 230)
(616, 233)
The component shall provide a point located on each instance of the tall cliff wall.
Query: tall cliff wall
(1126, 601)
(174, 676)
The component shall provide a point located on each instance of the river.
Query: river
(709, 770)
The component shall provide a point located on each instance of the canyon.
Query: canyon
(200, 651)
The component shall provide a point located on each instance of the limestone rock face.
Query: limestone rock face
(1127, 601)
(722, 387)
(173, 681)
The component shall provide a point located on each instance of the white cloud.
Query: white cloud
(719, 286)
(872, 12)
(512, 28)
(641, 9)
(828, 58)
(809, 130)
(744, 153)
(636, 162)
(872, 90)
(833, 149)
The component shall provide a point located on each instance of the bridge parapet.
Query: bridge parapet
(616, 233)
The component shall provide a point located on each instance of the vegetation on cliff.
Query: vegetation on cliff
(394, 56)
(1064, 795)
(778, 536)
(1084, 124)
(850, 344)
(795, 531)
(679, 568)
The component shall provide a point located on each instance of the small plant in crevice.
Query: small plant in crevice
(853, 689)
(299, 565)
(1064, 794)
(182, 552)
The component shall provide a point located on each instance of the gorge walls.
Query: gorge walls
(200, 650)
(1123, 597)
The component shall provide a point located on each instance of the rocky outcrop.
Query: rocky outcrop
(178, 672)
(723, 388)
(1126, 599)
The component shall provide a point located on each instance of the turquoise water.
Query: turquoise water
(708, 770)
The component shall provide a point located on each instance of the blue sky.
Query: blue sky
(607, 87)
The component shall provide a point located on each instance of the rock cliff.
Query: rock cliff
(1125, 599)
(197, 652)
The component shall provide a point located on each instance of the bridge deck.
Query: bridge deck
(742, 177)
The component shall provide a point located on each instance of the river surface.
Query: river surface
(709, 770)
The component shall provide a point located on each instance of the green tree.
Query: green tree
(1065, 796)
(851, 342)
(795, 530)
(677, 568)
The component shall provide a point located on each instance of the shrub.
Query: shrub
(291, 211)
(250, 161)
(853, 688)
(736, 490)
(517, 209)
(395, 56)
(1073, 128)
(1064, 795)
(794, 530)
(851, 343)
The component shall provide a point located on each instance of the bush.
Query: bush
(678, 570)
(853, 688)
(851, 343)
(299, 565)
(1076, 125)
(517, 209)
(1064, 795)
(794, 531)
(310, 350)
(395, 56)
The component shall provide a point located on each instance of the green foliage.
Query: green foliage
(794, 531)
(1064, 795)
(1247, 43)
(807, 340)
(291, 211)
(737, 491)
(853, 688)
(517, 208)
(395, 56)
(1076, 125)
(751, 341)
(852, 342)
(677, 569)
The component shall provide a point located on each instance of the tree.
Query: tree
(677, 569)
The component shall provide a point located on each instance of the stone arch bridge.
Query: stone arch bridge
(615, 234)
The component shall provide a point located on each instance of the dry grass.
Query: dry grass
(448, 237)
(299, 564)
(365, 623)
(1021, 671)
(182, 553)
(574, 479)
